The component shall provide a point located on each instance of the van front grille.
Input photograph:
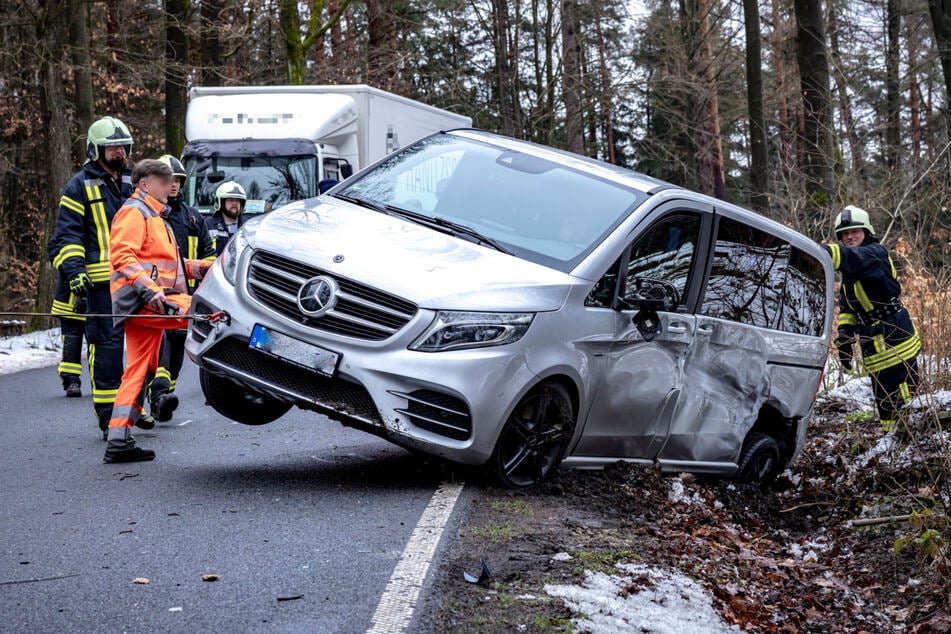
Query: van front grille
(362, 311)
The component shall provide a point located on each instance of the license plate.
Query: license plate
(294, 350)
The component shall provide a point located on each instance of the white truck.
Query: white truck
(280, 142)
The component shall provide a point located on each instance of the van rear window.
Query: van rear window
(759, 279)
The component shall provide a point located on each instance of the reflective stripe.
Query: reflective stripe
(878, 341)
(836, 254)
(102, 230)
(891, 357)
(847, 319)
(123, 412)
(892, 265)
(72, 205)
(172, 383)
(163, 373)
(66, 367)
(192, 255)
(888, 424)
(98, 271)
(92, 362)
(62, 308)
(904, 392)
(69, 251)
(862, 297)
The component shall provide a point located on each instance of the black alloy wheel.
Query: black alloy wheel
(534, 438)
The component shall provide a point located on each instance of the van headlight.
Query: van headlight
(232, 253)
(453, 330)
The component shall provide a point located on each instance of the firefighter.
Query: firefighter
(72, 326)
(149, 277)
(79, 249)
(228, 217)
(194, 243)
(870, 307)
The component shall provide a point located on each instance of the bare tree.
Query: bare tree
(297, 44)
(82, 75)
(176, 57)
(571, 73)
(941, 21)
(759, 157)
(816, 135)
(892, 88)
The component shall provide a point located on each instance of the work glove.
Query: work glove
(844, 346)
(80, 284)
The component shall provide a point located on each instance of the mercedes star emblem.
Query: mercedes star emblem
(317, 295)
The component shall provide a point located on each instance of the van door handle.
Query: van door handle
(677, 328)
(705, 330)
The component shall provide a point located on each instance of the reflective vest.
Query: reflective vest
(87, 206)
(144, 256)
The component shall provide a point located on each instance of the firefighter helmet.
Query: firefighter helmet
(853, 217)
(105, 132)
(229, 189)
(177, 168)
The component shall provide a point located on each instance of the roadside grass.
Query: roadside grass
(495, 532)
(513, 506)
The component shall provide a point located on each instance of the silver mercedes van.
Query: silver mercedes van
(499, 303)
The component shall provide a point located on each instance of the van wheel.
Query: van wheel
(534, 438)
(238, 403)
(759, 462)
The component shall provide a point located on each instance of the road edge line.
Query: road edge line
(398, 602)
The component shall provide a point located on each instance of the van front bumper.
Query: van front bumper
(449, 404)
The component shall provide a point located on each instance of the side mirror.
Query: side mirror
(346, 170)
(650, 295)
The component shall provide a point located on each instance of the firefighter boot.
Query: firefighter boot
(122, 447)
(72, 386)
(163, 406)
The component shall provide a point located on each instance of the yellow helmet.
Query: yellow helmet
(853, 217)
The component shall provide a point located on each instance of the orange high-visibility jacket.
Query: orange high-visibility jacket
(144, 257)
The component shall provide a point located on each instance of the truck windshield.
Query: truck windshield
(534, 208)
(269, 181)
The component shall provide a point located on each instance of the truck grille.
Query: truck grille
(362, 312)
(334, 397)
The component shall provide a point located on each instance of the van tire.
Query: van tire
(759, 462)
(239, 403)
(533, 440)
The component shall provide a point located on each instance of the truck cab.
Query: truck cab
(280, 142)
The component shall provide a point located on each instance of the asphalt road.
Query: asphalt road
(303, 520)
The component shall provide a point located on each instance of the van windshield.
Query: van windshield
(535, 208)
(269, 181)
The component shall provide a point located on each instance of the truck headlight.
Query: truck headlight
(453, 330)
(229, 258)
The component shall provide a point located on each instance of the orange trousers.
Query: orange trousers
(143, 341)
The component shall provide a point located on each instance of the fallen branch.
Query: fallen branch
(870, 521)
(10, 583)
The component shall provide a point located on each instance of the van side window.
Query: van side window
(665, 252)
(748, 275)
(804, 297)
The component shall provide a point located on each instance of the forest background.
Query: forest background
(791, 107)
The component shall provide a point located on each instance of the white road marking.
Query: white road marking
(396, 606)
(183, 423)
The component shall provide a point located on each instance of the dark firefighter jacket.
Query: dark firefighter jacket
(870, 305)
(192, 236)
(219, 230)
(80, 241)
(145, 258)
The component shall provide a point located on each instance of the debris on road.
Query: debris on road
(141, 581)
(483, 575)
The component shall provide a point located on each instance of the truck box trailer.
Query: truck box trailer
(280, 142)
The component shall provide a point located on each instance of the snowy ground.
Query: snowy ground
(26, 352)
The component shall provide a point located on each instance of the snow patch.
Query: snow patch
(38, 349)
(641, 599)
(855, 394)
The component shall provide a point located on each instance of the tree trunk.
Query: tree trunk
(51, 28)
(759, 158)
(892, 94)
(709, 145)
(297, 44)
(176, 59)
(571, 71)
(210, 19)
(504, 90)
(381, 69)
(779, 68)
(858, 178)
(941, 21)
(816, 135)
(113, 51)
(82, 77)
(606, 94)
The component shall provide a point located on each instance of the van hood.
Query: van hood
(429, 268)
